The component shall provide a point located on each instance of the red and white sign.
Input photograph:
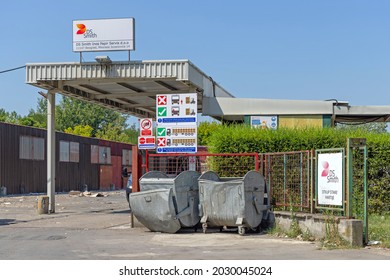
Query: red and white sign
(161, 142)
(146, 127)
(162, 100)
(146, 142)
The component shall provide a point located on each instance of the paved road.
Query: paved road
(98, 228)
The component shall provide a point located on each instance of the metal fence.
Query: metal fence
(226, 165)
(291, 176)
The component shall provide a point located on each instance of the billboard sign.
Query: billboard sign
(176, 116)
(330, 179)
(103, 35)
(270, 122)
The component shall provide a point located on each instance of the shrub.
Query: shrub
(244, 139)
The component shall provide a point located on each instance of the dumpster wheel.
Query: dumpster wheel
(241, 230)
(204, 227)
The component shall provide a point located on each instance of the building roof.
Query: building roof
(235, 109)
(131, 87)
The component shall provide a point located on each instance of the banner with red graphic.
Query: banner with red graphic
(103, 35)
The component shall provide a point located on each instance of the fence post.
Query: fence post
(365, 222)
(312, 181)
(349, 173)
(135, 168)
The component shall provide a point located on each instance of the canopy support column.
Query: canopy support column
(51, 151)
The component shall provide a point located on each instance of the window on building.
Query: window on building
(69, 151)
(31, 147)
(127, 157)
(94, 154)
(100, 154)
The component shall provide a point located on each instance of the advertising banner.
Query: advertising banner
(103, 35)
(330, 179)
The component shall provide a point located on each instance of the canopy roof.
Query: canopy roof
(128, 87)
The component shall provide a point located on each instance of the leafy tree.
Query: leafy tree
(112, 131)
(132, 134)
(3, 115)
(81, 130)
(39, 116)
(9, 117)
(73, 112)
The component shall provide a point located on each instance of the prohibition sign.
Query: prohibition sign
(146, 124)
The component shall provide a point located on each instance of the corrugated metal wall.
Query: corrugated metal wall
(19, 175)
(29, 176)
(77, 175)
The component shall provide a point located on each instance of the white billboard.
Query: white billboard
(330, 179)
(103, 35)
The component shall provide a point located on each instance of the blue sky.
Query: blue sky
(282, 49)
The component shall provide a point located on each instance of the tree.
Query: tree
(8, 117)
(38, 117)
(132, 134)
(113, 132)
(81, 130)
(73, 112)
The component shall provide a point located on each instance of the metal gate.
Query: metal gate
(289, 178)
(225, 164)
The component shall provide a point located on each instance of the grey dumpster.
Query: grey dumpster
(232, 202)
(167, 204)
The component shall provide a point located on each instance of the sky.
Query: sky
(281, 49)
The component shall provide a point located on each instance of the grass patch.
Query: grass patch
(293, 232)
(379, 229)
(333, 239)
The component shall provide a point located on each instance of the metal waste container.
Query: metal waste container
(233, 202)
(167, 204)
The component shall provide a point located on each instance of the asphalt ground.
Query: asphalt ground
(99, 228)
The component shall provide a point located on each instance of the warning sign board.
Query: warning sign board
(146, 127)
(146, 142)
(176, 121)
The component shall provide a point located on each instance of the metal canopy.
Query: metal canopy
(127, 87)
(235, 109)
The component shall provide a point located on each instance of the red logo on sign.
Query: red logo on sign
(146, 127)
(161, 100)
(81, 29)
(161, 142)
(146, 124)
(142, 140)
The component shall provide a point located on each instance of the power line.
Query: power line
(13, 69)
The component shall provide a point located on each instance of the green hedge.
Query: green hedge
(243, 138)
